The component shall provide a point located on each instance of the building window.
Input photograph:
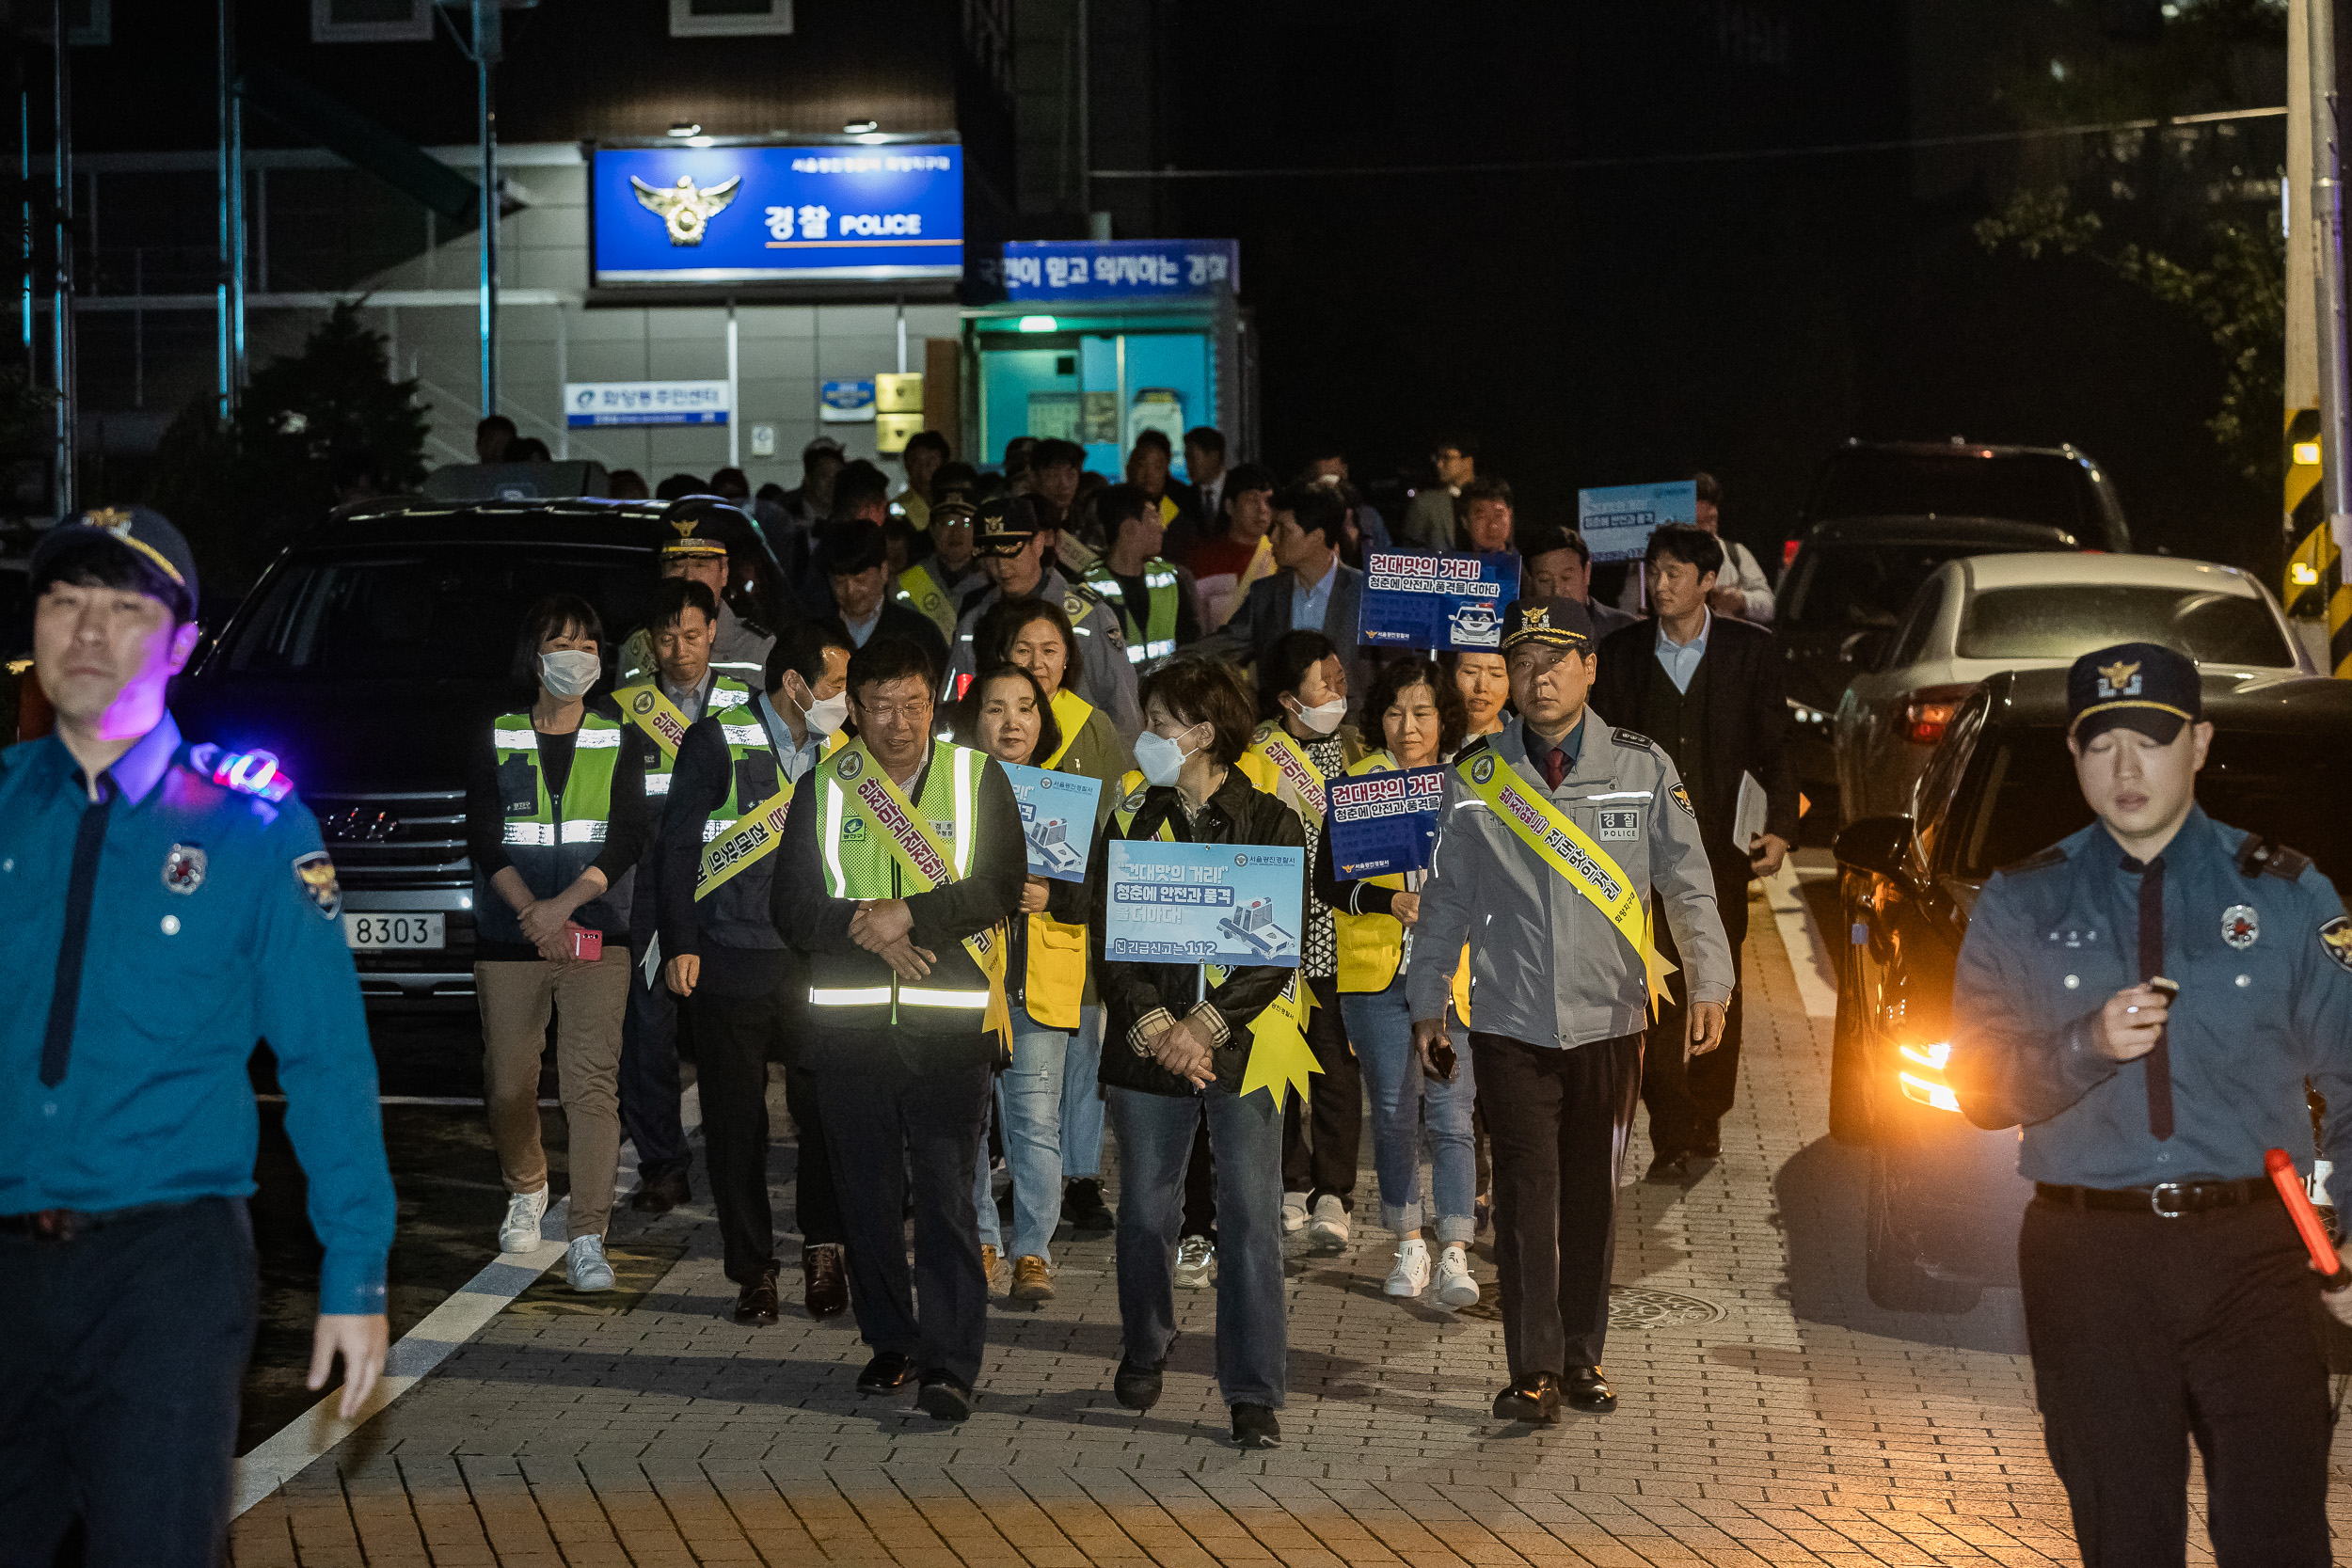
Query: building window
(90, 22)
(728, 18)
(370, 21)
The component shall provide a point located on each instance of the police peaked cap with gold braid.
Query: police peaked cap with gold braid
(1007, 523)
(703, 525)
(1552, 623)
(143, 531)
(2139, 686)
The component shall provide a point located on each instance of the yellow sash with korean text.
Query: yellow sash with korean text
(1294, 767)
(1544, 827)
(655, 713)
(924, 863)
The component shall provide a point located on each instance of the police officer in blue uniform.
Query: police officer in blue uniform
(162, 907)
(2147, 999)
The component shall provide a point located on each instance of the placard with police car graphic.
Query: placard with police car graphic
(1385, 823)
(1229, 904)
(1057, 818)
(1414, 600)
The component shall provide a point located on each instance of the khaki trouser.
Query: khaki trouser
(588, 1000)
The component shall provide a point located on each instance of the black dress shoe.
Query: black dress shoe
(824, 1284)
(1254, 1427)
(944, 1398)
(1533, 1397)
(1135, 1386)
(661, 1194)
(885, 1374)
(1588, 1390)
(756, 1301)
(1668, 1169)
(1709, 1143)
(1082, 1205)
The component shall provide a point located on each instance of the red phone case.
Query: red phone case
(587, 946)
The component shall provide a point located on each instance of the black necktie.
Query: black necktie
(1555, 766)
(2150, 965)
(65, 994)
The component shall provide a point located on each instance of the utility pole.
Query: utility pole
(2317, 473)
(2335, 386)
(61, 286)
(488, 44)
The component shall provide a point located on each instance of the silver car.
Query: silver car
(1982, 614)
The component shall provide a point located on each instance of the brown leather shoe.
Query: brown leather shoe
(660, 1195)
(992, 1267)
(825, 1284)
(757, 1303)
(1032, 1279)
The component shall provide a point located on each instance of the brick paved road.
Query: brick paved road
(1795, 1424)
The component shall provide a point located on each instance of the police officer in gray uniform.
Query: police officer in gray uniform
(1012, 553)
(2148, 998)
(1550, 827)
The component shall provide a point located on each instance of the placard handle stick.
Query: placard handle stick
(2333, 1274)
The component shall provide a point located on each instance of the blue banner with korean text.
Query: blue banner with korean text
(1413, 599)
(1384, 823)
(1057, 818)
(1069, 271)
(1616, 520)
(1204, 903)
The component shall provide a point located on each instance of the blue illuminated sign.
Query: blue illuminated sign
(1048, 271)
(776, 214)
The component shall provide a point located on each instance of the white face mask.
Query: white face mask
(828, 714)
(1160, 758)
(1323, 718)
(569, 672)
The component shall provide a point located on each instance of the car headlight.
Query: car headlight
(1936, 1095)
(1805, 714)
(1927, 1086)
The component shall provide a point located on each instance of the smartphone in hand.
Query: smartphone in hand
(1442, 1061)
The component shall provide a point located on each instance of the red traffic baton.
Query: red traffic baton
(2333, 1276)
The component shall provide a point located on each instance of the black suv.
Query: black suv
(367, 658)
(2061, 487)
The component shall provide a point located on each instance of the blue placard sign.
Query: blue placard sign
(775, 214)
(1204, 903)
(1385, 823)
(1413, 599)
(1057, 818)
(1066, 271)
(1617, 520)
(590, 404)
(845, 402)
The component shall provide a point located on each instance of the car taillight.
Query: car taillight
(1787, 553)
(1929, 712)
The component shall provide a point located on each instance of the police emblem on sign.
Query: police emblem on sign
(1681, 798)
(184, 867)
(643, 703)
(1483, 770)
(850, 767)
(2240, 926)
(314, 874)
(2336, 937)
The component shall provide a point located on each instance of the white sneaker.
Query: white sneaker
(1328, 1230)
(1294, 1214)
(1456, 1288)
(524, 1210)
(584, 1264)
(1411, 1275)
(1196, 1262)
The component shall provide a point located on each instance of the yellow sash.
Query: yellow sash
(1544, 827)
(1294, 767)
(655, 713)
(920, 589)
(1070, 711)
(750, 839)
(1280, 1058)
(924, 861)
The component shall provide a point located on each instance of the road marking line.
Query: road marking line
(1808, 955)
(468, 1309)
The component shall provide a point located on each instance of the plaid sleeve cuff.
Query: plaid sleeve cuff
(1150, 1026)
(1208, 1018)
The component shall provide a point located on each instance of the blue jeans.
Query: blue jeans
(1155, 1133)
(1082, 1098)
(1029, 1114)
(1381, 1027)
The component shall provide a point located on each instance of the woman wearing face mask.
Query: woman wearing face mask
(1300, 746)
(1036, 635)
(1008, 714)
(1178, 1053)
(1485, 685)
(1421, 720)
(555, 819)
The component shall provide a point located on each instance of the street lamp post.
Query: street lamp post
(488, 44)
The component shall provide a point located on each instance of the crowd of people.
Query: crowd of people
(772, 807)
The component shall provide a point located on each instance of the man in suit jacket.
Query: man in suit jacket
(855, 560)
(1314, 591)
(1708, 690)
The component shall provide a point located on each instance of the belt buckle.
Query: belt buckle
(2156, 1200)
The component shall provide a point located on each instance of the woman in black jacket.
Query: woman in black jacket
(1175, 1054)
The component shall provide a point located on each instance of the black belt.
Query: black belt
(64, 1225)
(2166, 1199)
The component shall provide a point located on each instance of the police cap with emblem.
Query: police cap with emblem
(954, 506)
(1552, 623)
(1007, 523)
(851, 545)
(703, 525)
(148, 534)
(2141, 685)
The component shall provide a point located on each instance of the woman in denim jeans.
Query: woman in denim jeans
(1421, 719)
(1009, 716)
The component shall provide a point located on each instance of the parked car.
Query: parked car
(1944, 1196)
(366, 659)
(2061, 487)
(1976, 615)
(1840, 601)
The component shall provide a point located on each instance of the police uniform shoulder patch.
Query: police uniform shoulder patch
(2259, 855)
(2335, 937)
(1075, 604)
(314, 875)
(1681, 796)
(2043, 861)
(1639, 742)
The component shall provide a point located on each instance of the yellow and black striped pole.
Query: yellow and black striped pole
(2315, 587)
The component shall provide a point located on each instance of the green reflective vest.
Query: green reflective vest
(550, 839)
(725, 693)
(1158, 639)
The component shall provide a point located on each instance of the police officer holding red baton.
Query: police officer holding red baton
(2147, 999)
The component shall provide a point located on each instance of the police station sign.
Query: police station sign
(775, 213)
